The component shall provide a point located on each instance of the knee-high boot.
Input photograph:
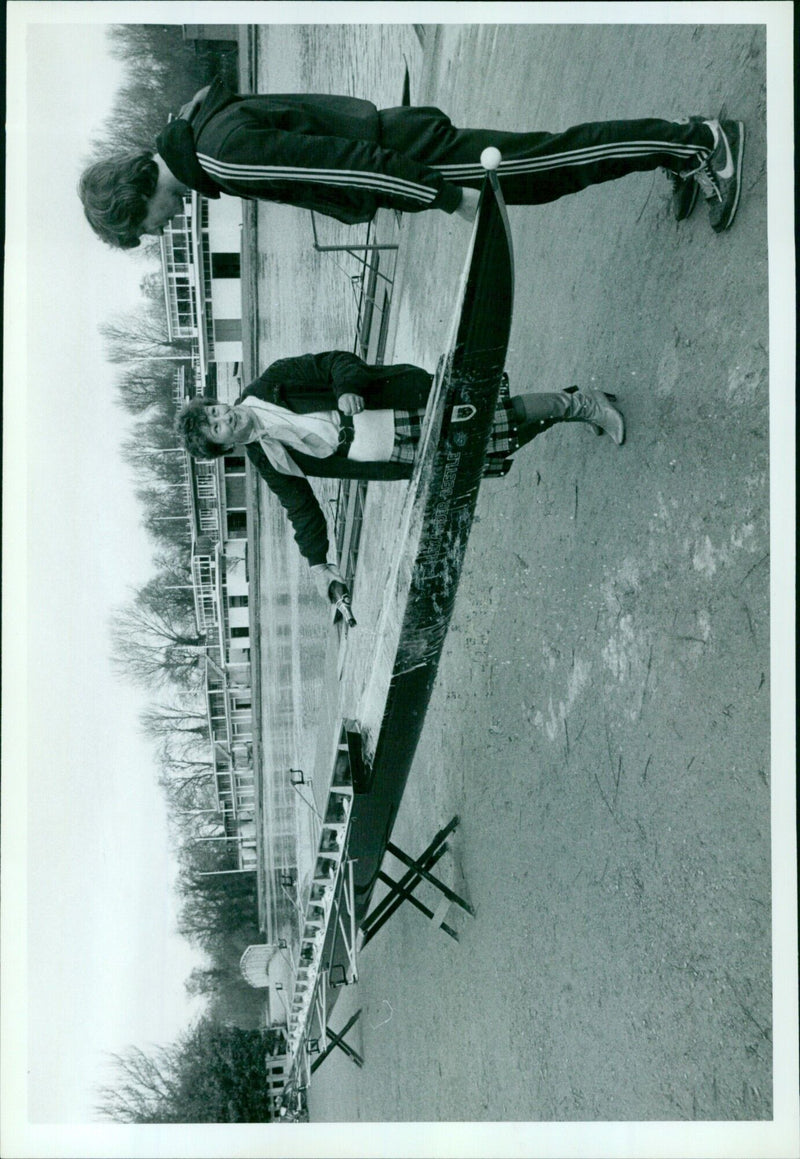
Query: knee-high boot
(538, 412)
(594, 407)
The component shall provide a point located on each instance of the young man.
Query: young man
(331, 415)
(343, 157)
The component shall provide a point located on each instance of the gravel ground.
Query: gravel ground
(601, 717)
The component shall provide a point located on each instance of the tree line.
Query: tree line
(156, 643)
(162, 72)
(215, 1071)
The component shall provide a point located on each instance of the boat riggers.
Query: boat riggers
(419, 870)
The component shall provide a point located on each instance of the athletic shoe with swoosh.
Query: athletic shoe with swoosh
(720, 175)
(684, 187)
(684, 194)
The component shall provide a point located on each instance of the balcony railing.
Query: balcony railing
(208, 519)
(204, 578)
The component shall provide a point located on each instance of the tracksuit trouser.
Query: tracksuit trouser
(540, 167)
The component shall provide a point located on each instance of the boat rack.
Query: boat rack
(331, 930)
(418, 870)
(330, 911)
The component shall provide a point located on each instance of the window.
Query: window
(234, 464)
(238, 633)
(237, 523)
(235, 492)
(216, 704)
(238, 601)
(225, 266)
(227, 329)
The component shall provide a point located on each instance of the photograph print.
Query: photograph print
(399, 495)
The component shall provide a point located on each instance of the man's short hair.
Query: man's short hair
(115, 195)
(192, 425)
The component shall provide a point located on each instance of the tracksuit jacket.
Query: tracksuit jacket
(343, 157)
(315, 382)
(316, 152)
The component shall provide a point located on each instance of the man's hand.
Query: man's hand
(469, 204)
(194, 104)
(351, 404)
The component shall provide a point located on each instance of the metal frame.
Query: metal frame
(403, 890)
(368, 247)
(337, 1039)
(347, 929)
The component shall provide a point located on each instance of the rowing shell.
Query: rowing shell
(443, 493)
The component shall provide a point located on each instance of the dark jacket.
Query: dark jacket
(315, 152)
(315, 382)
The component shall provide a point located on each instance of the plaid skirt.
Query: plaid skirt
(502, 436)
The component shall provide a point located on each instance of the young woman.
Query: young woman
(331, 415)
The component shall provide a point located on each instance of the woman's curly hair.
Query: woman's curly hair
(192, 427)
(115, 195)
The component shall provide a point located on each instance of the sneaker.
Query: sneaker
(720, 175)
(684, 187)
(684, 193)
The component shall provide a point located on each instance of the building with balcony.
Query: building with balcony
(201, 268)
(221, 589)
(200, 258)
(220, 568)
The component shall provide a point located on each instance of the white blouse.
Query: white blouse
(317, 434)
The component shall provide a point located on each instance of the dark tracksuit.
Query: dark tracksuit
(315, 382)
(343, 157)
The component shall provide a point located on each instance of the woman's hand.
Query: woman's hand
(323, 575)
(351, 404)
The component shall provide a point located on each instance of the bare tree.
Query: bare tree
(154, 454)
(212, 1074)
(166, 515)
(174, 567)
(152, 287)
(162, 72)
(153, 647)
(216, 905)
(142, 334)
(192, 806)
(146, 1086)
(148, 383)
(191, 799)
(180, 726)
(208, 980)
(174, 604)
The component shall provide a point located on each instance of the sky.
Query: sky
(105, 964)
